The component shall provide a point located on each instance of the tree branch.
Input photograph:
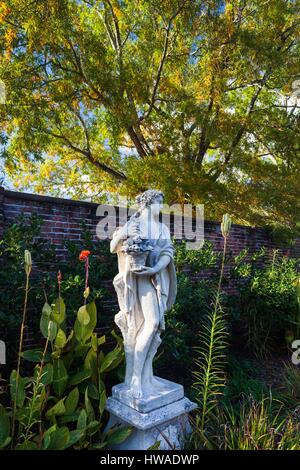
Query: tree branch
(162, 61)
(88, 154)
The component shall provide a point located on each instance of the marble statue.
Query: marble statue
(146, 289)
(156, 408)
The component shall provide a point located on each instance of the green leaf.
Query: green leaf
(82, 420)
(57, 410)
(84, 332)
(60, 339)
(94, 342)
(52, 330)
(59, 311)
(156, 446)
(88, 406)
(74, 437)
(59, 439)
(80, 377)
(93, 391)
(17, 390)
(93, 427)
(83, 316)
(69, 418)
(45, 318)
(46, 310)
(118, 338)
(90, 363)
(47, 374)
(119, 435)
(102, 401)
(5, 443)
(4, 428)
(47, 436)
(100, 445)
(35, 355)
(72, 400)
(111, 360)
(60, 376)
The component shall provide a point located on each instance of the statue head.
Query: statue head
(150, 199)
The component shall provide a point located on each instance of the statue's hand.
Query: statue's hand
(144, 271)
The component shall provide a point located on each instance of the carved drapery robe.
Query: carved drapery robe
(131, 317)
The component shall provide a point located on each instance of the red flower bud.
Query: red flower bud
(84, 254)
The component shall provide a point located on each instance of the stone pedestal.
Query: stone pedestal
(162, 416)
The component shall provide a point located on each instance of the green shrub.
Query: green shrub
(62, 404)
(103, 267)
(23, 234)
(186, 317)
(266, 305)
(241, 381)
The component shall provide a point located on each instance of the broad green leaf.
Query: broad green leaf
(119, 435)
(93, 391)
(69, 418)
(74, 437)
(100, 445)
(79, 377)
(118, 338)
(46, 310)
(94, 342)
(82, 420)
(47, 436)
(83, 316)
(111, 360)
(17, 389)
(47, 374)
(60, 377)
(90, 363)
(102, 401)
(156, 446)
(5, 443)
(84, 331)
(72, 400)
(93, 427)
(59, 311)
(52, 330)
(45, 318)
(60, 339)
(35, 355)
(59, 439)
(57, 410)
(88, 406)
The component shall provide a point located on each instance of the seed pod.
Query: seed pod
(226, 225)
(28, 262)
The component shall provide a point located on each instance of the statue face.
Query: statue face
(156, 206)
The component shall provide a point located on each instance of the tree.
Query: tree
(189, 96)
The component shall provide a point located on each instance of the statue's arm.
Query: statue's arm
(162, 263)
(118, 236)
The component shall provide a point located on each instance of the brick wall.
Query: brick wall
(63, 218)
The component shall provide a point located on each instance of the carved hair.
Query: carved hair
(148, 197)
